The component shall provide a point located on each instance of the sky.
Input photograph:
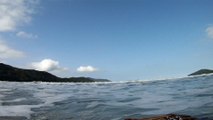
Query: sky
(112, 39)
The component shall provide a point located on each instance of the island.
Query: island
(201, 72)
(13, 74)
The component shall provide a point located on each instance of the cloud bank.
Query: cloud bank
(6, 52)
(47, 65)
(209, 32)
(14, 13)
(86, 69)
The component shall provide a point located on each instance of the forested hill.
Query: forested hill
(9, 73)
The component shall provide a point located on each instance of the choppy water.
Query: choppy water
(106, 101)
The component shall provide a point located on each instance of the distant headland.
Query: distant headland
(13, 74)
(201, 72)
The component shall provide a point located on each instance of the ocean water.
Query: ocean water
(107, 101)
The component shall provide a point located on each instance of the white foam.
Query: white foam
(18, 110)
(17, 100)
(49, 96)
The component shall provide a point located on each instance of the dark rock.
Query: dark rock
(167, 117)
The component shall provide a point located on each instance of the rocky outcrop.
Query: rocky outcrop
(9, 73)
(201, 72)
(167, 117)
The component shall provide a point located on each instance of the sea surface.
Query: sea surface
(107, 101)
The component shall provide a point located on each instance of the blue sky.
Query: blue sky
(113, 39)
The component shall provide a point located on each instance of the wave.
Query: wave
(163, 79)
(117, 82)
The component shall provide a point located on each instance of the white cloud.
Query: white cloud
(7, 52)
(86, 69)
(47, 65)
(14, 13)
(26, 35)
(209, 32)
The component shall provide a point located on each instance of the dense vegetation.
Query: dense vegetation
(9, 73)
(202, 71)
